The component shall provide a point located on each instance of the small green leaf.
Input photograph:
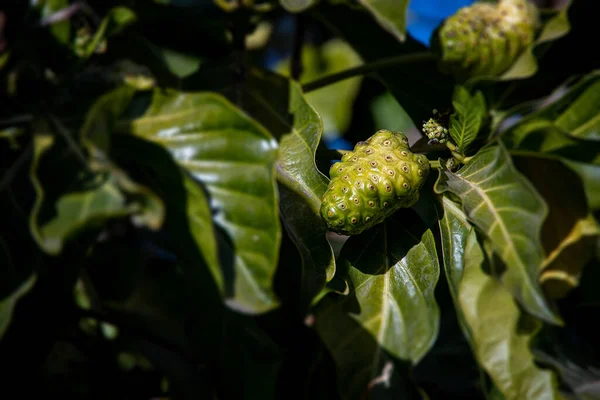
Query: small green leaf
(565, 126)
(102, 117)
(390, 14)
(180, 64)
(61, 30)
(500, 344)
(468, 117)
(296, 6)
(7, 304)
(301, 201)
(117, 19)
(234, 157)
(505, 206)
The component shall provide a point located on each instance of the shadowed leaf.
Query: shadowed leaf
(490, 189)
(234, 157)
(301, 200)
(500, 344)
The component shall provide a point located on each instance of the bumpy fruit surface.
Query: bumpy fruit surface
(486, 39)
(370, 183)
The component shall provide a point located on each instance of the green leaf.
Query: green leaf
(234, 158)
(188, 215)
(393, 271)
(573, 111)
(390, 14)
(505, 206)
(468, 117)
(117, 19)
(301, 199)
(85, 198)
(102, 117)
(201, 228)
(181, 64)
(296, 6)
(61, 30)
(390, 312)
(7, 304)
(501, 344)
(389, 114)
(455, 231)
(334, 102)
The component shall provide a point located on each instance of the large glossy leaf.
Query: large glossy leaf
(334, 102)
(8, 303)
(189, 225)
(390, 14)
(569, 230)
(393, 279)
(83, 200)
(454, 231)
(234, 157)
(467, 118)
(566, 126)
(501, 343)
(391, 313)
(505, 206)
(393, 270)
(301, 200)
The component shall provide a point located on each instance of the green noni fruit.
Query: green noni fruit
(485, 39)
(370, 183)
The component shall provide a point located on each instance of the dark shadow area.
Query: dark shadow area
(574, 350)
(449, 370)
(386, 243)
(365, 370)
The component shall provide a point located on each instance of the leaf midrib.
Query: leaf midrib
(504, 231)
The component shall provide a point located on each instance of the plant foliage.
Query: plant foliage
(170, 171)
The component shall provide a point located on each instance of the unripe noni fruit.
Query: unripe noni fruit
(370, 183)
(485, 39)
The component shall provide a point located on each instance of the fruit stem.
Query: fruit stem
(368, 68)
(435, 164)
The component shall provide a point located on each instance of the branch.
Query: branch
(367, 68)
